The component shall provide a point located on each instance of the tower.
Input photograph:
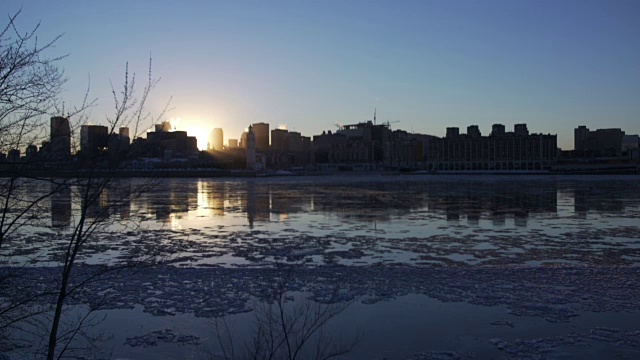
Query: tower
(278, 137)
(93, 139)
(261, 133)
(216, 141)
(60, 142)
(580, 136)
(251, 149)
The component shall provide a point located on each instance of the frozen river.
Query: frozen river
(415, 267)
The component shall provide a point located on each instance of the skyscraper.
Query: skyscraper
(93, 140)
(251, 149)
(243, 139)
(278, 137)
(124, 132)
(580, 135)
(261, 131)
(216, 139)
(60, 143)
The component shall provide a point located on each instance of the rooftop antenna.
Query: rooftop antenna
(375, 110)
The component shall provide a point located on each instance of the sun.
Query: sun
(194, 127)
(201, 135)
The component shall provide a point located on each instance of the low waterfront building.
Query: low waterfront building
(501, 150)
(598, 143)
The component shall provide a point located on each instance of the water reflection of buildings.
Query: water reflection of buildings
(65, 200)
(367, 202)
(376, 201)
(256, 203)
(114, 200)
(285, 201)
(60, 207)
(497, 200)
(603, 198)
(212, 196)
(167, 199)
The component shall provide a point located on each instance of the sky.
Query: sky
(423, 65)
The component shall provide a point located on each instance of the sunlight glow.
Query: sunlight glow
(199, 128)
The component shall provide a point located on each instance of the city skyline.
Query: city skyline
(429, 65)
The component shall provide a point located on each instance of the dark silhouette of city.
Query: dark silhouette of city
(362, 148)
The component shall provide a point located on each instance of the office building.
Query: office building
(243, 139)
(502, 150)
(598, 143)
(216, 139)
(630, 143)
(60, 141)
(31, 152)
(250, 145)
(261, 132)
(119, 144)
(278, 140)
(169, 144)
(580, 135)
(13, 156)
(94, 140)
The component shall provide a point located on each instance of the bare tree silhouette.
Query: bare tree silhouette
(287, 326)
(130, 110)
(30, 85)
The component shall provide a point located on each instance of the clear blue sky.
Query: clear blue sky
(553, 64)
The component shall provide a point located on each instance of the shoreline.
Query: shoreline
(244, 174)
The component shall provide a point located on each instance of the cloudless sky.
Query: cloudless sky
(553, 64)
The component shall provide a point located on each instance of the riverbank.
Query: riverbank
(221, 173)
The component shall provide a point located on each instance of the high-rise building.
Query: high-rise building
(580, 135)
(278, 137)
(600, 142)
(251, 149)
(93, 140)
(630, 142)
(261, 132)
(233, 143)
(119, 144)
(164, 126)
(60, 142)
(243, 139)
(14, 155)
(294, 141)
(31, 152)
(216, 139)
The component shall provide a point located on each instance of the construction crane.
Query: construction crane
(387, 123)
